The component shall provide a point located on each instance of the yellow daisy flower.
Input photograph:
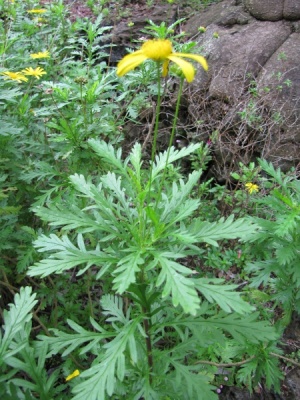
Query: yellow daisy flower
(37, 72)
(41, 54)
(73, 375)
(37, 11)
(160, 50)
(251, 187)
(14, 76)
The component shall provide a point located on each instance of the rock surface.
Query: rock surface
(253, 80)
(249, 99)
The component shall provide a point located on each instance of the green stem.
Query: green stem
(171, 137)
(157, 112)
(148, 345)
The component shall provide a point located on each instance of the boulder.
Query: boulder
(281, 75)
(238, 54)
(252, 90)
(247, 104)
(273, 10)
(268, 10)
(291, 9)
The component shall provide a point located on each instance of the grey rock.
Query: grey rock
(269, 10)
(291, 9)
(249, 98)
(281, 75)
(240, 52)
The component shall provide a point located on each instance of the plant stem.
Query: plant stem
(171, 137)
(148, 345)
(215, 364)
(236, 364)
(157, 112)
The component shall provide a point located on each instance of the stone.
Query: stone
(291, 9)
(268, 10)
(225, 13)
(247, 104)
(261, 53)
(281, 75)
(239, 53)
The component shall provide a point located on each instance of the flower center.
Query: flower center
(157, 50)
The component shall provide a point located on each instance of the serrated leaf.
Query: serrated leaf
(210, 232)
(126, 271)
(72, 341)
(16, 318)
(101, 378)
(66, 256)
(182, 289)
(192, 382)
(60, 216)
(239, 327)
(113, 306)
(108, 153)
(224, 295)
(174, 154)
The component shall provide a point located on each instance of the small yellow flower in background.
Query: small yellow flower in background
(216, 35)
(130, 24)
(40, 20)
(73, 375)
(251, 187)
(14, 76)
(160, 50)
(201, 29)
(41, 54)
(37, 72)
(37, 11)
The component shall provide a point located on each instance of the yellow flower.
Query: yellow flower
(160, 50)
(37, 11)
(41, 54)
(251, 187)
(37, 72)
(201, 29)
(40, 20)
(73, 375)
(14, 76)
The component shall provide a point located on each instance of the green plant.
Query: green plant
(276, 267)
(122, 243)
(17, 354)
(133, 230)
(136, 250)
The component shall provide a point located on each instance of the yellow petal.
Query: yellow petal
(129, 62)
(165, 68)
(196, 57)
(73, 375)
(186, 67)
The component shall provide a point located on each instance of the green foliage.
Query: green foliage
(277, 243)
(16, 354)
(136, 250)
(131, 257)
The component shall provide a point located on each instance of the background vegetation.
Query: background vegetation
(124, 276)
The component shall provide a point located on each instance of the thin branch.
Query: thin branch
(236, 364)
(285, 359)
